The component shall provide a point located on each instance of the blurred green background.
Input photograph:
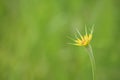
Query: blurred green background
(33, 39)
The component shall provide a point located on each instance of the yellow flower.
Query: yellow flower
(83, 40)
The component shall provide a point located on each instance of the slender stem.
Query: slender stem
(92, 59)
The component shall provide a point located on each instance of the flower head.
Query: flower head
(83, 40)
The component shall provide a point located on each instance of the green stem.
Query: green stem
(92, 59)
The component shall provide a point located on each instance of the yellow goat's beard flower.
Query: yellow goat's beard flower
(83, 40)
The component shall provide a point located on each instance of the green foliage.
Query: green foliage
(33, 39)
